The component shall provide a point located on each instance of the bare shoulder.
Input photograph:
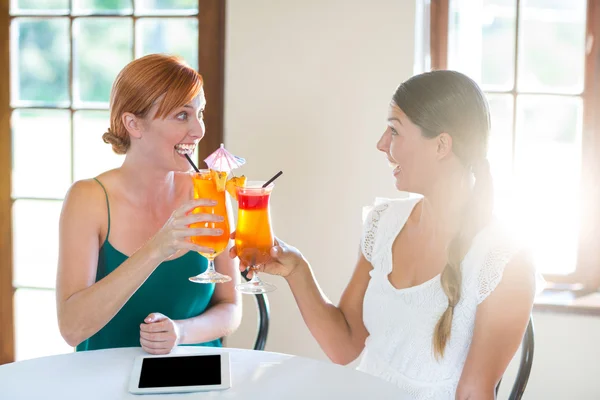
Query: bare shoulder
(94, 189)
(85, 202)
(84, 191)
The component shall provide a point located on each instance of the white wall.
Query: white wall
(308, 83)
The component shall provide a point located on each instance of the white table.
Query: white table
(104, 375)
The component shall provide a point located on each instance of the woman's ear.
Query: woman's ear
(133, 124)
(444, 145)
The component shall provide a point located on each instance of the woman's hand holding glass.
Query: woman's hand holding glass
(173, 239)
(284, 261)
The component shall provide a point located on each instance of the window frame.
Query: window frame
(211, 61)
(586, 277)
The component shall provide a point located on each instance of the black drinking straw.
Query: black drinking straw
(277, 175)
(191, 162)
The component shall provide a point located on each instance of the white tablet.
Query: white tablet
(179, 373)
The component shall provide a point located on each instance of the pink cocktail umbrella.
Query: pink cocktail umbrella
(222, 160)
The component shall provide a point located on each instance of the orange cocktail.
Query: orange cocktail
(205, 187)
(254, 234)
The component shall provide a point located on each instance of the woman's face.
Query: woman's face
(416, 160)
(166, 140)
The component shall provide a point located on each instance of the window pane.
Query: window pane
(40, 61)
(92, 156)
(35, 268)
(195, 158)
(552, 46)
(177, 36)
(41, 153)
(548, 166)
(36, 326)
(500, 150)
(97, 62)
(154, 7)
(102, 6)
(39, 6)
(481, 41)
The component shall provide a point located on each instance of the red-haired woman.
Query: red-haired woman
(124, 257)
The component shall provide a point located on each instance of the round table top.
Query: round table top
(104, 374)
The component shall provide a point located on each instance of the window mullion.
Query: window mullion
(71, 89)
(134, 25)
(588, 266)
(514, 89)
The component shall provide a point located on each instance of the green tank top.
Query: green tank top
(167, 291)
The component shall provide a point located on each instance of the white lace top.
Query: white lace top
(401, 321)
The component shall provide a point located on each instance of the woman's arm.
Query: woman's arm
(340, 331)
(224, 315)
(500, 324)
(159, 334)
(76, 290)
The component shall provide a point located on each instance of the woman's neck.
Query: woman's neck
(444, 206)
(148, 185)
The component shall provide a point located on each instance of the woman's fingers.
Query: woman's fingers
(152, 345)
(186, 207)
(185, 245)
(197, 218)
(189, 232)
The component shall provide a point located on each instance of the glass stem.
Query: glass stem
(255, 280)
(211, 265)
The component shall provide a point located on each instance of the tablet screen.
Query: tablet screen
(201, 370)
